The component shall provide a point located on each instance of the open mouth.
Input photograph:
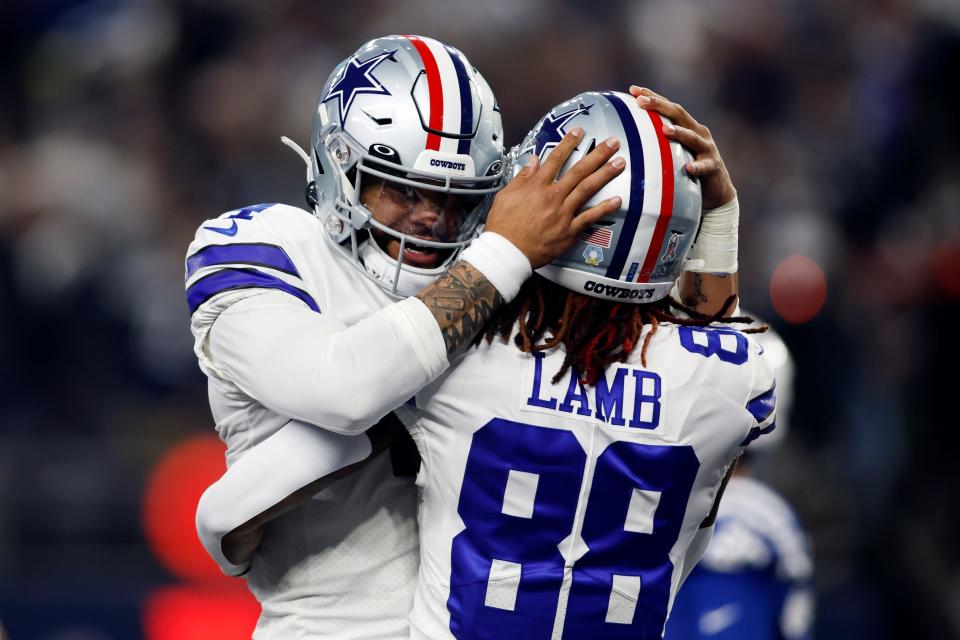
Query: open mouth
(417, 255)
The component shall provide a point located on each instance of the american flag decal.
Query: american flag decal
(597, 235)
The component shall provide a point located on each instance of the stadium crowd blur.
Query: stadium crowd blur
(124, 124)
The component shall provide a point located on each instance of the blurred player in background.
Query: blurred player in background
(754, 580)
(298, 325)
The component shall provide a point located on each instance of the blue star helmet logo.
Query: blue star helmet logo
(356, 78)
(552, 130)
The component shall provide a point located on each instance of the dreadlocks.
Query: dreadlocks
(595, 333)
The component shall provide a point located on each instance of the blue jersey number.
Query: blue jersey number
(727, 344)
(519, 500)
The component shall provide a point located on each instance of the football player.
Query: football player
(570, 469)
(513, 462)
(754, 580)
(302, 320)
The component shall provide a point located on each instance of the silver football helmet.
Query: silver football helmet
(406, 118)
(636, 253)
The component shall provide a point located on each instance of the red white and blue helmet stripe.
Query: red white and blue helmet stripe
(450, 113)
(636, 253)
(638, 247)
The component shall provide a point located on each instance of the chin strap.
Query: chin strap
(300, 152)
(311, 194)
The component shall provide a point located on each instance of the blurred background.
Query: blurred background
(125, 124)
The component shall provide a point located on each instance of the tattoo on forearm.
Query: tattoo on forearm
(696, 295)
(462, 300)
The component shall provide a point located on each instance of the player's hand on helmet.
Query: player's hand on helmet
(538, 213)
(715, 184)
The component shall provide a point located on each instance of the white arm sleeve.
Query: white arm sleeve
(284, 463)
(310, 367)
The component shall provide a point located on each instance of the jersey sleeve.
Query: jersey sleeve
(257, 324)
(295, 457)
(237, 256)
(762, 400)
(310, 367)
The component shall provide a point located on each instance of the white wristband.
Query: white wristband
(500, 262)
(715, 250)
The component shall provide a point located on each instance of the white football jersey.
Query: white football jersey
(564, 511)
(344, 564)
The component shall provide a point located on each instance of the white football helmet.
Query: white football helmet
(636, 253)
(411, 113)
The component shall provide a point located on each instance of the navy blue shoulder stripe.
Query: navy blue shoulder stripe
(637, 173)
(230, 279)
(254, 253)
(760, 408)
(763, 405)
(756, 432)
